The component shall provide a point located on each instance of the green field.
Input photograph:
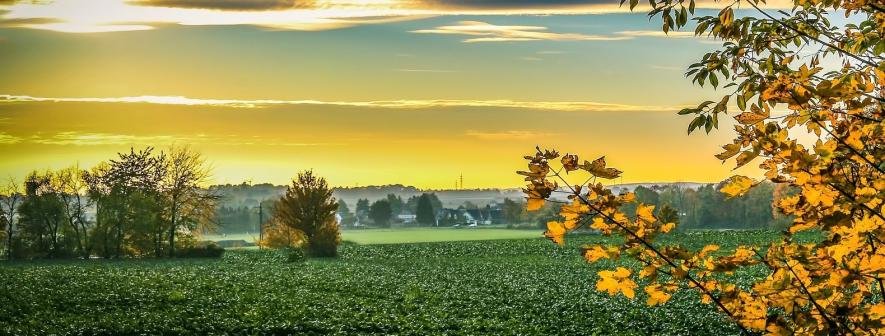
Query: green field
(520, 286)
(411, 235)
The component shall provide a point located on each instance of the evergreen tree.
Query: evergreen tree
(425, 213)
(380, 212)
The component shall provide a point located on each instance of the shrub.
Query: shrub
(202, 250)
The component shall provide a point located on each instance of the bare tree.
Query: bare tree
(10, 199)
(189, 204)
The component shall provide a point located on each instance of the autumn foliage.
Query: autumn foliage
(818, 131)
(304, 217)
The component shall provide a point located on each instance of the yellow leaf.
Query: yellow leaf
(825, 149)
(615, 282)
(629, 197)
(556, 232)
(646, 213)
(667, 227)
(749, 118)
(737, 186)
(656, 296)
(599, 224)
(597, 252)
(597, 168)
(877, 310)
(622, 273)
(730, 150)
(607, 283)
(569, 162)
(534, 204)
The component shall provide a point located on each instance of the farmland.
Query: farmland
(521, 286)
(411, 235)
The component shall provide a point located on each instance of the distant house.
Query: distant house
(407, 218)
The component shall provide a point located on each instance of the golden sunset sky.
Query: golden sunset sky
(414, 92)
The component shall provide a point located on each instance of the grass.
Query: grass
(411, 235)
(502, 287)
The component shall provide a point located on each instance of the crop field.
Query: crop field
(518, 286)
(411, 235)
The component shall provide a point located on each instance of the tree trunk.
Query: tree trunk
(172, 230)
(9, 232)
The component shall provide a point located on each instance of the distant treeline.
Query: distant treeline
(703, 207)
(699, 206)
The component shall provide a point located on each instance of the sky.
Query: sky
(414, 92)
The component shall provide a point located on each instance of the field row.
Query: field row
(525, 286)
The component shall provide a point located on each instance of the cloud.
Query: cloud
(486, 32)
(656, 33)
(74, 138)
(237, 5)
(87, 139)
(568, 106)
(82, 16)
(6, 139)
(507, 135)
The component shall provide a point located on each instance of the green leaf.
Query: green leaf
(708, 124)
(695, 123)
(741, 102)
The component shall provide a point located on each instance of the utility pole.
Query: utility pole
(260, 224)
(462, 180)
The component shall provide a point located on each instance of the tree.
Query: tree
(347, 217)
(513, 211)
(380, 212)
(828, 287)
(189, 205)
(362, 206)
(396, 204)
(425, 215)
(72, 190)
(42, 216)
(10, 200)
(132, 202)
(309, 209)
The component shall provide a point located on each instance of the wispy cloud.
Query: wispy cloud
(576, 106)
(75, 138)
(91, 139)
(487, 32)
(6, 139)
(507, 135)
(656, 33)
